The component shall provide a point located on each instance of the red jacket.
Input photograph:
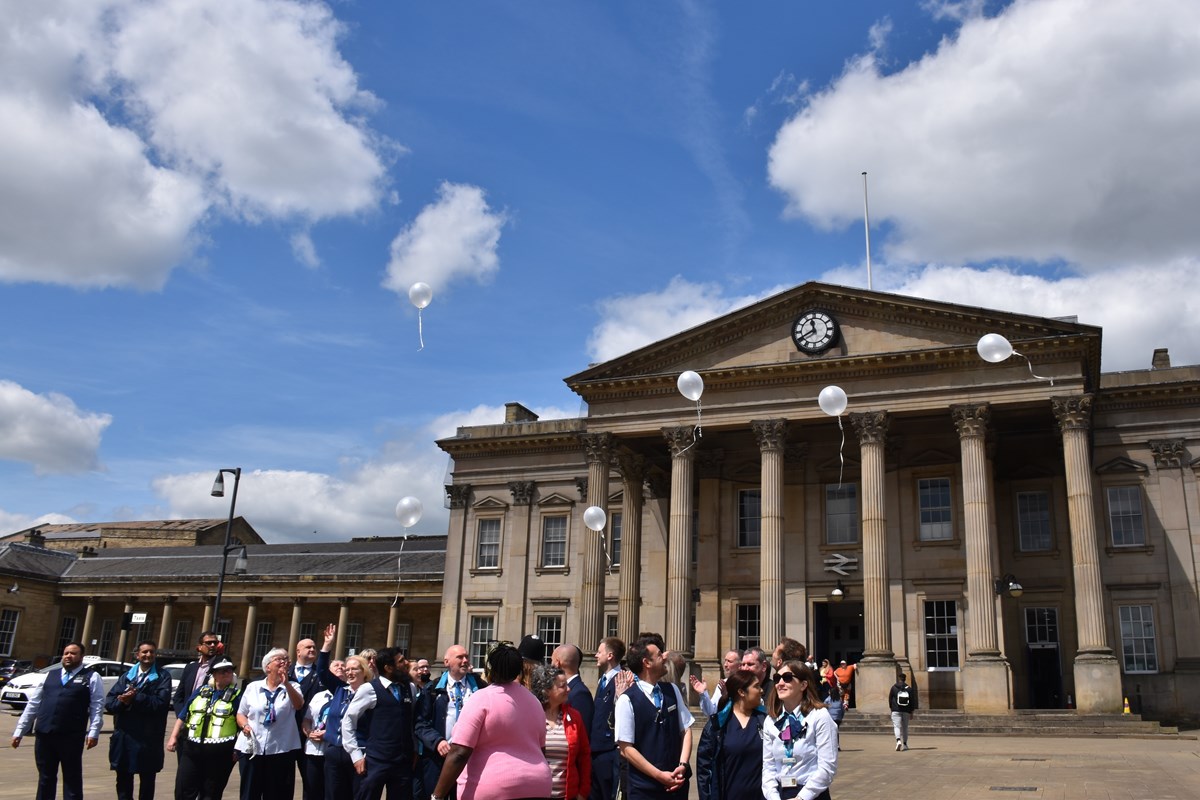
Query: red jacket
(579, 754)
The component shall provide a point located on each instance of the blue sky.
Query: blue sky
(210, 213)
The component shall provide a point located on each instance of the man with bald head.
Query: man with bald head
(568, 657)
(438, 709)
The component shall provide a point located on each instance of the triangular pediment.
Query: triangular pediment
(759, 337)
(1121, 464)
(489, 503)
(555, 499)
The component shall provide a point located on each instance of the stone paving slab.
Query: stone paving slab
(935, 768)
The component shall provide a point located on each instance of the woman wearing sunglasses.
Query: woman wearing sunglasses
(730, 759)
(800, 746)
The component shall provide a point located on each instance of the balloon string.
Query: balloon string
(1031, 372)
(841, 452)
(699, 431)
(420, 331)
(404, 541)
(607, 557)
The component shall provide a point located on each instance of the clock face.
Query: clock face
(814, 331)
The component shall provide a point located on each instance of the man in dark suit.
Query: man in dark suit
(69, 711)
(568, 657)
(304, 672)
(438, 709)
(606, 764)
(195, 673)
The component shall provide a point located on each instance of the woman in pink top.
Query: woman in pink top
(497, 749)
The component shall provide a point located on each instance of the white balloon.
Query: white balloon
(994, 348)
(419, 294)
(690, 384)
(832, 400)
(594, 517)
(408, 511)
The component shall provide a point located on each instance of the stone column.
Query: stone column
(208, 623)
(294, 630)
(123, 639)
(633, 476)
(877, 670)
(451, 620)
(1097, 673)
(679, 560)
(393, 620)
(1170, 456)
(986, 677)
(89, 618)
(598, 450)
(519, 553)
(771, 435)
(164, 629)
(339, 645)
(249, 636)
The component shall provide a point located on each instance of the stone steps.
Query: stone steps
(1019, 723)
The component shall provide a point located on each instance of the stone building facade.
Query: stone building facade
(947, 479)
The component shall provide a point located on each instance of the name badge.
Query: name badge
(787, 783)
(789, 761)
(671, 709)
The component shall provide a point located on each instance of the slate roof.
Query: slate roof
(419, 558)
(94, 528)
(18, 558)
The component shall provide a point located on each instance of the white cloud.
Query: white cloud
(454, 237)
(1060, 130)
(11, 523)
(128, 123)
(304, 250)
(959, 11)
(48, 431)
(632, 321)
(878, 34)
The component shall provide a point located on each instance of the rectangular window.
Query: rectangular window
(1041, 625)
(549, 630)
(610, 625)
(747, 626)
(750, 518)
(941, 634)
(1125, 516)
(841, 513)
(264, 640)
(8, 630)
(106, 638)
(487, 549)
(223, 629)
(183, 635)
(354, 632)
(66, 632)
(1033, 521)
(308, 630)
(934, 498)
(1138, 650)
(614, 550)
(554, 542)
(404, 635)
(483, 630)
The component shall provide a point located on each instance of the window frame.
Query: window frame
(477, 644)
(403, 636)
(264, 642)
(1019, 518)
(749, 525)
(545, 625)
(925, 528)
(1135, 491)
(183, 634)
(855, 514)
(1128, 641)
(65, 637)
(950, 638)
(747, 627)
(480, 544)
(8, 630)
(555, 518)
(616, 527)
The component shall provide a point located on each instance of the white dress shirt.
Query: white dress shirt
(281, 736)
(362, 702)
(95, 704)
(624, 714)
(813, 762)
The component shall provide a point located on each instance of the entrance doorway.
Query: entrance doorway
(838, 632)
(1042, 656)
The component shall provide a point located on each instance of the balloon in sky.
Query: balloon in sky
(408, 511)
(420, 295)
(594, 517)
(994, 348)
(691, 385)
(832, 400)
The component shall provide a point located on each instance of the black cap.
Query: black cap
(532, 648)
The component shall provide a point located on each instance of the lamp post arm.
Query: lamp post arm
(237, 477)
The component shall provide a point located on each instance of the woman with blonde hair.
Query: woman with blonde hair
(341, 779)
(800, 746)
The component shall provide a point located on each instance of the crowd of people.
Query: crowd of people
(527, 728)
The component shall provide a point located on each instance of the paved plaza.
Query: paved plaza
(935, 768)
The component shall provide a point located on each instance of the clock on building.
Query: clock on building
(815, 331)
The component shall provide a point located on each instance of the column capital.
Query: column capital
(169, 599)
(345, 601)
(598, 447)
(459, 494)
(680, 440)
(871, 426)
(632, 467)
(92, 599)
(771, 434)
(581, 486)
(708, 462)
(1073, 413)
(253, 601)
(1168, 453)
(971, 419)
(299, 601)
(522, 492)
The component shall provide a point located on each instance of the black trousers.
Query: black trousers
(268, 777)
(125, 785)
(395, 777)
(312, 774)
(52, 751)
(204, 770)
(341, 781)
(606, 772)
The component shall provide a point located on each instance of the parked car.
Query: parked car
(11, 668)
(20, 689)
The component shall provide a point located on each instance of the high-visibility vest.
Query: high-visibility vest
(212, 716)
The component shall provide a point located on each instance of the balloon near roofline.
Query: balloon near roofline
(408, 513)
(994, 348)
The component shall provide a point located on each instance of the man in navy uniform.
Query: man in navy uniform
(437, 711)
(606, 764)
(568, 657)
(654, 727)
(389, 700)
(69, 713)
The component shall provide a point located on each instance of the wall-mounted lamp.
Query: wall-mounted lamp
(838, 594)
(1008, 585)
(14, 589)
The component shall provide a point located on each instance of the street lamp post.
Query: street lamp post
(239, 565)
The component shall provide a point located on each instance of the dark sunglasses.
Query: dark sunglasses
(210, 644)
(786, 677)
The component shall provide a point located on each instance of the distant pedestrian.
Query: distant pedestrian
(902, 699)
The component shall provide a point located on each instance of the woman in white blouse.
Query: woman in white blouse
(267, 718)
(801, 740)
